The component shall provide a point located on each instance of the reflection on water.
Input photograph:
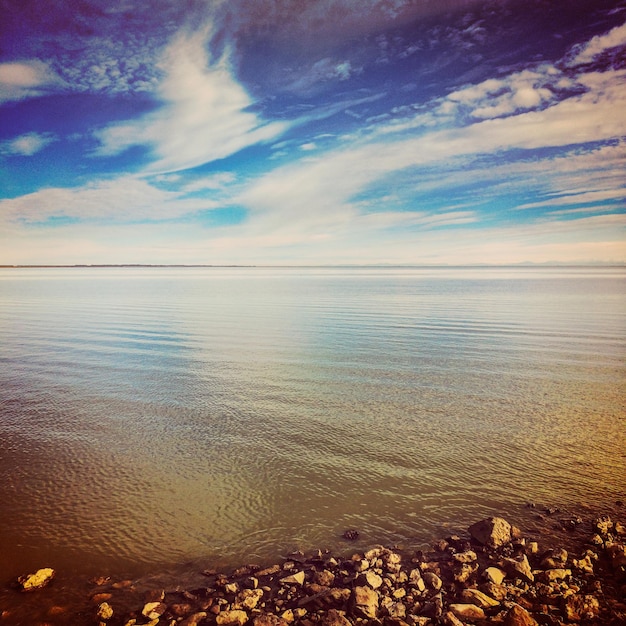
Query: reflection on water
(155, 415)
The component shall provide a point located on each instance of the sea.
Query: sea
(157, 419)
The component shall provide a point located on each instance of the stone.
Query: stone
(180, 609)
(499, 592)
(519, 616)
(585, 563)
(617, 555)
(371, 579)
(248, 599)
(474, 596)
(235, 617)
(365, 601)
(603, 525)
(101, 597)
(415, 580)
(432, 580)
(494, 575)
(325, 578)
(38, 580)
(518, 568)
(467, 612)
(194, 619)
(153, 610)
(556, 574)
(465, 557)
(269, 619)
(578, 608)
(464, 571)
(450, 619)
(105, 611)
(293, 579)
(333, 618)
(493, 532)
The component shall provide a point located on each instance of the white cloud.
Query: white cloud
(597, 45)
(27, 144)
(578, 198)
(213, 182)
(205, 114)
(26, 79)
(126, 199)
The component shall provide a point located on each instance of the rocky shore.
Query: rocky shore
(492, 574)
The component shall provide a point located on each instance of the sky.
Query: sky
(308, 132)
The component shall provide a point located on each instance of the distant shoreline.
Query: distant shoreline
(346, 266)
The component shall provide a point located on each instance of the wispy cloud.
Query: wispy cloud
(27, 144)
(587, 52)
(205, 114)
(122, 200)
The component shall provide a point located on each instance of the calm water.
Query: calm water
(157, 415)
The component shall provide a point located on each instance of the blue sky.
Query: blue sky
(320, 132)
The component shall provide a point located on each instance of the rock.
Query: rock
(474, 596)
(293, 579)
(603, 525)
(193, 620)
(432, 580)
(450, 619)
(493, 532)
(153, 610)
(579, 608)
(248, 599)
(38, 580)
(269, 619)
(617, 555)
(434, 607)
(332, 618)
(467, 612)
(105, 611)
(554, 559)
(234, 617)
(518, 568)
(351, 534)
(371, 579)
(584, 564)
(465, 557)
(101, 597)
(365, 601)
(499, 592)
(553, 575)
(325, 578)
(415, 580)
(518, 616)
(494, 575)
(464, 571)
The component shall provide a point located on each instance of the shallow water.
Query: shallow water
(152, 416)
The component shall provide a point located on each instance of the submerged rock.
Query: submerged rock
(39, 579)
